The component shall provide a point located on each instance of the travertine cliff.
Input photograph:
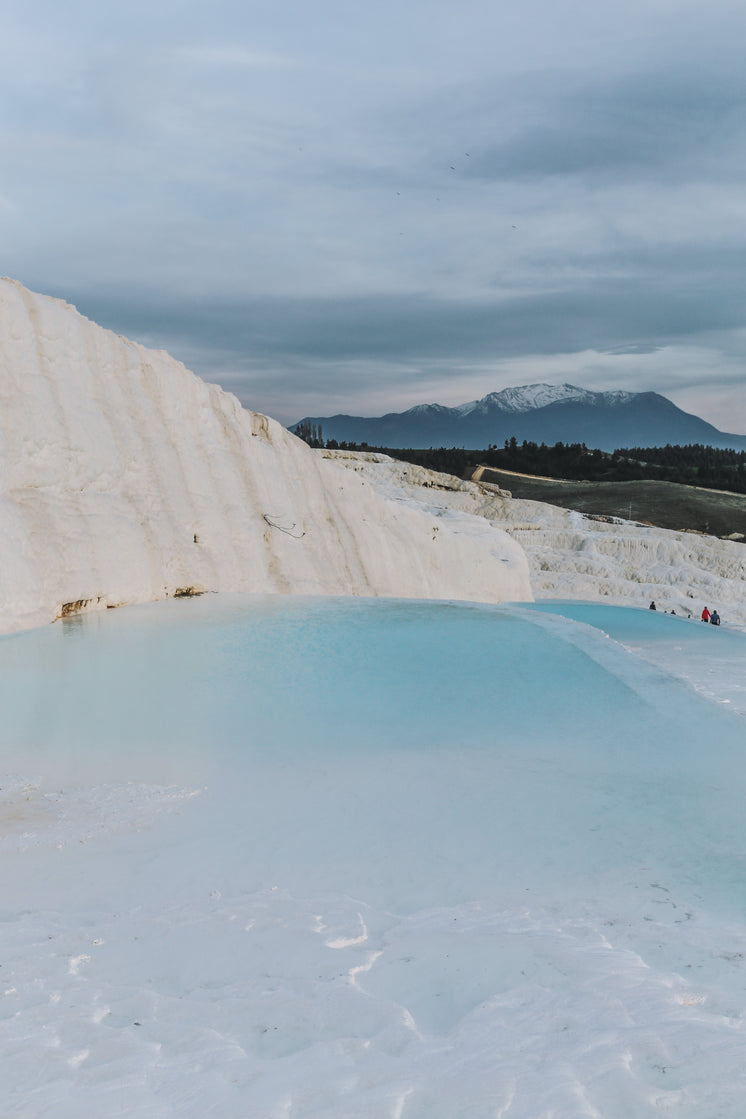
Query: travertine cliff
(125, 478)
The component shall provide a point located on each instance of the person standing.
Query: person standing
(705, 615)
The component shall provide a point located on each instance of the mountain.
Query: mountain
(539, 413)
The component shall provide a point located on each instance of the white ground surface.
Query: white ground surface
(576, 557)
(327, 858)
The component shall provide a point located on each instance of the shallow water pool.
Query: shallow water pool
(372, 858)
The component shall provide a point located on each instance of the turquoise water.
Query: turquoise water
(383, 859)
(518, 750)
(627, 625)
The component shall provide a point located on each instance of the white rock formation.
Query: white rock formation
(577, 557)
(126, 479)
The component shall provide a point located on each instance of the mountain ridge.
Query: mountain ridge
(538, 413)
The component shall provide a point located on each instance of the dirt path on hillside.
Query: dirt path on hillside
(664, 504)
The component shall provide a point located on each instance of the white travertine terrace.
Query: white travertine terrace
(126, 479)
(572, 556)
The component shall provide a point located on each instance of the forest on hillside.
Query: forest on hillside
(691, 465)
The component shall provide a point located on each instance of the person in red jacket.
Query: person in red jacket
(705, 615)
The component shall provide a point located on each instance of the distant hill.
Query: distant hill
(664, 504)
(538, 413)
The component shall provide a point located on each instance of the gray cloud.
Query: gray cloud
(385, 200)
(659, 123)
(664, 296)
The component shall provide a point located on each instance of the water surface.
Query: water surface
(364, 857)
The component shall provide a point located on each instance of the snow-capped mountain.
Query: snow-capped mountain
(540, 413)
(428, 410)
(527, 398)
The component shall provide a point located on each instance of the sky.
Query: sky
(338, 207)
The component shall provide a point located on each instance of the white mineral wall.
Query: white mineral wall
(125, 478)
(572, 556)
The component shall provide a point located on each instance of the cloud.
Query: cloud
(655, 123)
(658, 302)
(291, 357)
(385, 200)
(230, 55)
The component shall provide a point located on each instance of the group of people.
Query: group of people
(712, 617)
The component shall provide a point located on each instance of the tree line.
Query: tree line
(693, 464)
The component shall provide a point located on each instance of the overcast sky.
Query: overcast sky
(336, 206)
